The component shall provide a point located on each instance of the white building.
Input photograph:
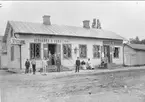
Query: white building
(69, 42)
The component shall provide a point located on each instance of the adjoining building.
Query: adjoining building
(3, 55)
(27, 40)
(134, 54)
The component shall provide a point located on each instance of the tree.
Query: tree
(143, 41)
(136, 40)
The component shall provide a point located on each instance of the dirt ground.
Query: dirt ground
(126, 86)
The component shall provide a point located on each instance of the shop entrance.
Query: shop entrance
(107, 53)
(51, 51)
(52, 48)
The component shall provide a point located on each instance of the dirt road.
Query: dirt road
(110, 87)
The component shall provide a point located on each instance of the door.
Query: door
(52, 53)
(107, 52)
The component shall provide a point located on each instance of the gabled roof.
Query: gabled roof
(62, 30)
(137, 46)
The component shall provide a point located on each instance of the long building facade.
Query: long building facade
(26, 40)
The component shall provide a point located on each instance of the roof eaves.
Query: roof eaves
(134, 48)
(67, 35)
(139, 49)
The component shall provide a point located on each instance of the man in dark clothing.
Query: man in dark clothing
(27, 65)
(77, 64)
(58, 64)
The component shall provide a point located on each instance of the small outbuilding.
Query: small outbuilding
(134, 54)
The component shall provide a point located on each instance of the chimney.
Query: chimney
(46, 20)
(86, 24)
(94, 23)
(98, 24)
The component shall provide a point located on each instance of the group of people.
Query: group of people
(45, 63)
(27, 65)
(78, 64)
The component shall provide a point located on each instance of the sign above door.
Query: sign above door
(46, 40)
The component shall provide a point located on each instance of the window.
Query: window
(35, 50)
(11, 32)
(96, 51)
(116, 52)
(12, 53)
(83, 51)
(67, 51)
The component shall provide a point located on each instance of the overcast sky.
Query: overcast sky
(125, 18)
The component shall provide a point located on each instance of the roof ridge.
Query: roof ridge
(57, 24)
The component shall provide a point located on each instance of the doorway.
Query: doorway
(107, 52)
(52, 52)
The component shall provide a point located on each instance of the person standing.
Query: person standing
(89, 65)
(58, 64)
(77, 64)
(27, 65)
(33, 65)
(44, 64)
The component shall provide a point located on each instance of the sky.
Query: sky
(126, 18)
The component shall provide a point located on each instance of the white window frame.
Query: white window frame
(34, 51)
(118, 55)
(81, 51)
(96, 51)
(65, 56)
